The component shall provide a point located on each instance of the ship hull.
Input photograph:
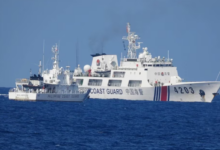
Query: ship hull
(48, 96)
(181, 92)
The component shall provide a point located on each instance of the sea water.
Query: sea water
(109, 124)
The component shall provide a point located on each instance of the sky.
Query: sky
(189, 29)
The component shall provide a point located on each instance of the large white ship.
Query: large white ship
(50, 85)
(141, 77)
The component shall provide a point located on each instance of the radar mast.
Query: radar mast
(55, 58)
(132, 47)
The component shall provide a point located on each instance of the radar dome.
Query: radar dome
(141, 55)
(86, 68)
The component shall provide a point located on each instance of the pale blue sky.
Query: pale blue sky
(189, 29)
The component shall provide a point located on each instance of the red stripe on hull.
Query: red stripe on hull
(164, 93)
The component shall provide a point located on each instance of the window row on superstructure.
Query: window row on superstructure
(157, 65)
(115, 83)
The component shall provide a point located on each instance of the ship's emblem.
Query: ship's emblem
(98, 62)
(202, 94)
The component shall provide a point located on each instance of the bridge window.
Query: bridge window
(114, 83)
(132, 60)
(134, 83)
(79, 81)
(95, 82)
(19, 87)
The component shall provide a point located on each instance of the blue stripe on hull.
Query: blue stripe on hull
(159, 93)
(155, 93)
(168, 98)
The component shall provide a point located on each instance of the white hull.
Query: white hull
(47, 96)
(182, 92)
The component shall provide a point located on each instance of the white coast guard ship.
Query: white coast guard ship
(51, 85)
(140, 78)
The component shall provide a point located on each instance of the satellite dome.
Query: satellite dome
(86, 68)
(141, 55)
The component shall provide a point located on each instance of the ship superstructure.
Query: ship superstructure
(141, 77)
(55, 85)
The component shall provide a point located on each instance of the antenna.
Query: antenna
(43, 54)
(77, 53)
(101, 46)
(39, 72)
(168, 55)
(59, 49)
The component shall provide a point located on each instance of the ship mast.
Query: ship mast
(132, 47)
(40, 68)
(55, 58)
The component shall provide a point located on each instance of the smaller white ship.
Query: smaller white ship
(51, 85)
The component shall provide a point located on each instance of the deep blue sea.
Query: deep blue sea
(109, 124)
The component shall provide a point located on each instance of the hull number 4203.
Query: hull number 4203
(183, 90)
